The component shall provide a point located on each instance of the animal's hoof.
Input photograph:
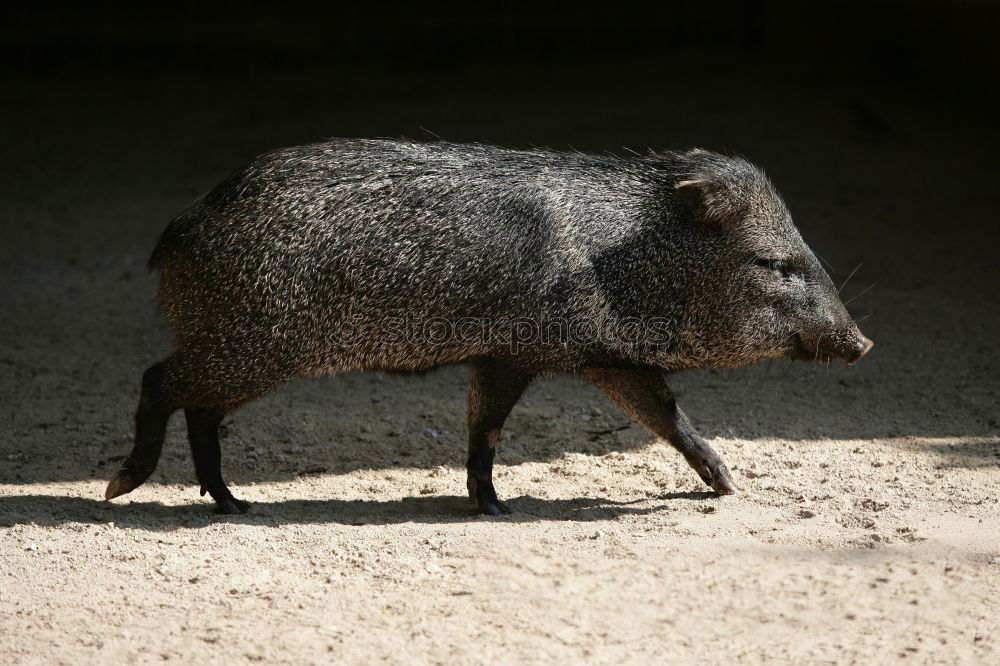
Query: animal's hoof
(494, 508)
(232, 507)
(121, 483)
(725, 486)
(716, 475)
(485, 497)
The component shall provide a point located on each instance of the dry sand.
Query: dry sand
(868, 530)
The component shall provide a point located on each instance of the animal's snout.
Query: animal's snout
(861, 346)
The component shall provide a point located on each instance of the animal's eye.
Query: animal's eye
(775, 265)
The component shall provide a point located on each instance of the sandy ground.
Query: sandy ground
(868, 530)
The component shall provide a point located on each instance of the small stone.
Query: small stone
(806, 513)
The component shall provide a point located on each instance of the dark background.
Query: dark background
(877, 120)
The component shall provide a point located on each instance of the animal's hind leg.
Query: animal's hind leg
(203, 434)
(156, 404)
(494, 387)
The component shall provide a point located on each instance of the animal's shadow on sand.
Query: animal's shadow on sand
(49, 510)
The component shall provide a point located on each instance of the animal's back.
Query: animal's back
(318, 246)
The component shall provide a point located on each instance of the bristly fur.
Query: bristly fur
(294, 263)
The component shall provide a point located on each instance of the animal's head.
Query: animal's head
(767, 294)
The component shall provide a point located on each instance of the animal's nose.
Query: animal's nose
(861, 347)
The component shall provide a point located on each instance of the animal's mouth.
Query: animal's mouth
(797, 349)
(850, 351)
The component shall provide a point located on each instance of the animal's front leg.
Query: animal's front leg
(643, 395)
(494, 387)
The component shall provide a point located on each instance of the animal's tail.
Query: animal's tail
(180, 231)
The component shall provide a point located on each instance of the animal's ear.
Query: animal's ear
(690, 191)
(707, 201)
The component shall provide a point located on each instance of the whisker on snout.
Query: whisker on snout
(829, 266)
(767, 370)
(849, 278)
(862, 293)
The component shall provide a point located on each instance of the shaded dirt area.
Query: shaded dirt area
(868, 529)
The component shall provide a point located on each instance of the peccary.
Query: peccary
(402, 256)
